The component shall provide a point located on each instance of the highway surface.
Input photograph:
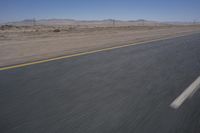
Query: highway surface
(125, 90)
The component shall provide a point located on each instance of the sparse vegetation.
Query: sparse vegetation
(71, 28)
(56, 30)
(6, 27)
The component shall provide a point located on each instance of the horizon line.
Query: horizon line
(125, 20)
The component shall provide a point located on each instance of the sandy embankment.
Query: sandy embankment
(20, 47)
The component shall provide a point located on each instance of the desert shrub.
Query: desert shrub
(71, 28)
(6, 27)
(56, 30)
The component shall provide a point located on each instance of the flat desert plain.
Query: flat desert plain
(21, 44)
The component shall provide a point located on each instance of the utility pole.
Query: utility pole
(194, 22)
(113, 23)
(34, 22)
(142, 22)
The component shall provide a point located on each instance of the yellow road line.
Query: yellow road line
(83, 53)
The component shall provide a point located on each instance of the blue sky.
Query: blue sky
(161, 10)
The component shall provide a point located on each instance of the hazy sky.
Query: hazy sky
(162, 10)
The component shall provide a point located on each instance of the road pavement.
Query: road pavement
(125, 90)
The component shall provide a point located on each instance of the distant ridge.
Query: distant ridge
(105, 22)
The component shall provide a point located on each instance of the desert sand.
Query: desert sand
(20, 44)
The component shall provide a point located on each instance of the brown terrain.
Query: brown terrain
(26, 43)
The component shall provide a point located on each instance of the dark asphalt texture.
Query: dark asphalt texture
(126, 90)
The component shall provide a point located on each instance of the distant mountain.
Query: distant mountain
(181, 23)
(88, 23)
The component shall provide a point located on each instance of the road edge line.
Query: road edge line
(87, 52)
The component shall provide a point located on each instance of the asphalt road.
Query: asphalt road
(126, 90)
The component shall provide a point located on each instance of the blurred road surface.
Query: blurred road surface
(126, 90)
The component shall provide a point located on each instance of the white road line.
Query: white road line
(186, 94)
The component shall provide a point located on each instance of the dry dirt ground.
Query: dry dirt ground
(26, 44)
